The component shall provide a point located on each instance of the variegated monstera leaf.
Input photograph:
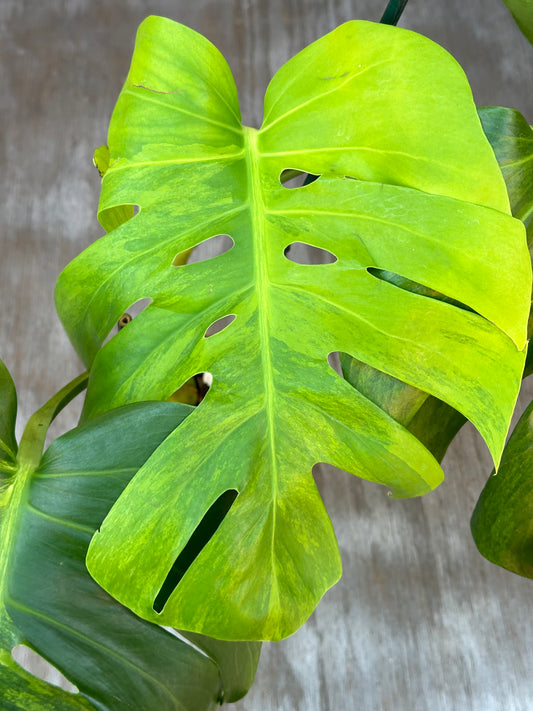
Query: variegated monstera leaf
(408, 184)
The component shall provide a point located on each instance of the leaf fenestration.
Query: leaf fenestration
(371, 102)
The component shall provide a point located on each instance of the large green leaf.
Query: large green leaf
(424, 199)
(432, 421)
(502, 522)
(49, 602)
(522, 11)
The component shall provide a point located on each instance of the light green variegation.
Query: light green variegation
(432, 421)
(408, 184)
(50, 508)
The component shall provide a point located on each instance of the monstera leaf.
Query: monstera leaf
(48, 601)
(502, 522)
(522, 11)
(432, 421)
(408, 184)
(512, 141)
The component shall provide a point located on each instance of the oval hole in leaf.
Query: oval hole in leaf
(207, 249)
(415, 287)
(39, 667)
(129, 314)
(335, 362)
(193, 390)
(219, 325)
(293, 178)
(117, 215)
(201, 536)
(303, 253)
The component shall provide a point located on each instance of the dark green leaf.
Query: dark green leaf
(237, 663)
(522, 11)
(50, 603)
(8, 416)
(502, 522)
(511, 138)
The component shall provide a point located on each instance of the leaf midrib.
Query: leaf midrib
(257, 213)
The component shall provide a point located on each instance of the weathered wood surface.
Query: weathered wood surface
(419, 621)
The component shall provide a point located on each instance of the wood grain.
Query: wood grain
(419, 621)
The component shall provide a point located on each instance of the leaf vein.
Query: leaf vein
(192, 114)
(92, 643)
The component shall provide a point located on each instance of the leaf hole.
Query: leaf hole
(415, 287)
(201, 536)
(207, 249)
(39, 667)
(334, 361)
(292, 178)
(127, 317)
(219, 325)
(117, 215)
(307, 254)
(193, 390)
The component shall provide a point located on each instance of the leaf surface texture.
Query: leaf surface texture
(49, 602)
(409, 184)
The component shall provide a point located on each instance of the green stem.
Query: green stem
(393, 12)
(32, 441)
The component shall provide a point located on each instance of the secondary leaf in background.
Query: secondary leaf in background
(424, 199)
(429, 419)
(511, 138)
(502, 522)
(8, 416)
(522, 11)
(432, 421)
(49, 602)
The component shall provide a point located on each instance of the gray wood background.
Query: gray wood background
(419, 621)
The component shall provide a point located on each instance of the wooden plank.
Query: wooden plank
(419, 621)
